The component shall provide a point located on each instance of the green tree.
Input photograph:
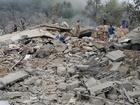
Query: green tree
(134, 13)
(63, 9)
(113, 11)
(92, 8)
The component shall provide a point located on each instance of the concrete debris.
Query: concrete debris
(116, 66)
(59, 46)
(72, 101)
(124, 69)
(91, 82)
(134, 94)
(73, 85)
(12, 77)
(4, 103)
(115, 55)
(104, 87)
(62, 86)
(82, 67)
(46, 65)
(13, 95)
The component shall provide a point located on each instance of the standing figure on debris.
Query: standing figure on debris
(22, 25)
(124, 24)
(104, 21)
(77, 28)
(111, 32)
(15, 28)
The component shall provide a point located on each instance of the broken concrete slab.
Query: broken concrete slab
(124, 69)
(115, 55)
(91, 82)
(59, 46)
(67, 96)
(128, 86)
(87, 48)
(61, 71)
(82, 67)
(73, 85)
(115, 66)
(137, 82)
(3, 102)
(103, 87)
(71, 71)
(62, 86)
(12, 95)
(44, 51)
(134, 94)
(12, 77)
(97, 102)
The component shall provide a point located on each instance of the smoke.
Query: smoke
(78, 4)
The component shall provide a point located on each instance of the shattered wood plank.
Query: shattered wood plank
(12, 77)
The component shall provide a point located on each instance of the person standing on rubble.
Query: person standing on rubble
(22, 25)
(104, 21)
(124, 24)
(15, 28)
(111, 32)
(77, 28)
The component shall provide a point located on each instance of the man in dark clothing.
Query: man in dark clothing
(124, 24)
(104, 21)
(15, 28)
(111, 32)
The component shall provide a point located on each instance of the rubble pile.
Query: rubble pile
(101, 32)
(46, 71)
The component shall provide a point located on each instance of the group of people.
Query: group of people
(111, 29)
